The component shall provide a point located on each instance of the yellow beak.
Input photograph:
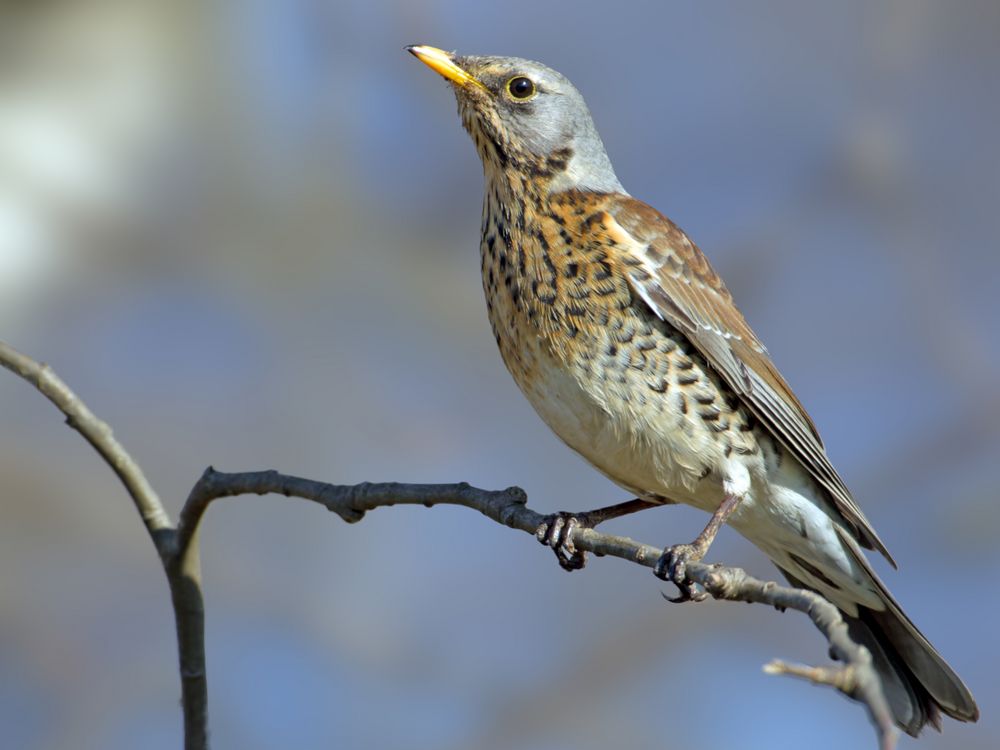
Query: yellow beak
(441, 61)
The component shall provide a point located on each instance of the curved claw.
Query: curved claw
(672, 567)
(556, 531)
(688, 594)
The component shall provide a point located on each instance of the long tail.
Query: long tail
(918, 683)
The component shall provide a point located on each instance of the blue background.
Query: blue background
(246, 234)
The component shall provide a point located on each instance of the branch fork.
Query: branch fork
(177, 546)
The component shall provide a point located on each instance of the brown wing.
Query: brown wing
(676, 280)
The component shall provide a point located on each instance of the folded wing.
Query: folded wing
(671, 275)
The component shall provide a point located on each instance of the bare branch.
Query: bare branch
(178, 548)
(97, 433)
(856, 678)
(184, 580)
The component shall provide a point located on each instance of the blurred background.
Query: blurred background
(247, 233)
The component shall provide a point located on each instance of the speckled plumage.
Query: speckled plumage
(583, 348)
(629, 346)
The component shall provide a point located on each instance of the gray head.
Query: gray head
(526, 118)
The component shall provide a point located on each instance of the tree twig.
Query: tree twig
(183, 576)
(178, 549)
(98, 434)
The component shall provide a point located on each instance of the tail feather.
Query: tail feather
(919, 657)
(917, 681)
(911, 704)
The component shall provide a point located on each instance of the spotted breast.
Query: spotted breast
(619, 385)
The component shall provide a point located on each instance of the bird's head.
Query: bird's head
(526, 120)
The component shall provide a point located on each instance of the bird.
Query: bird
(629, 346)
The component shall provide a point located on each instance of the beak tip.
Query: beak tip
(443, 63)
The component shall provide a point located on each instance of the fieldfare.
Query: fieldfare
(628, 345)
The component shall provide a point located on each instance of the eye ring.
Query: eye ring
(521, 88)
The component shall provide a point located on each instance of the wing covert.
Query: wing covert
(672, 276)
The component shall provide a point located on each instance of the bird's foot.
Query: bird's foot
(672, 567)
(556, 531)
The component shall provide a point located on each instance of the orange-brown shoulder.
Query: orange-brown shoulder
(670, 249)
(673, 278)
(682, 274)
(676, 280)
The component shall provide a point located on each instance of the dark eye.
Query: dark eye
(520, 87)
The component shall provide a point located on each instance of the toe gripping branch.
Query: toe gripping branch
(672, 565)
(557, 530)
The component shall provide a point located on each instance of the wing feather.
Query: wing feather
(671, 275)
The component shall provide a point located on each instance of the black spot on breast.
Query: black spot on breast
(541, 239)
(500, 153)
(505, 236)
(549, 265)
(624, 334)
(681, 402)
(572, 269)
(602, 270)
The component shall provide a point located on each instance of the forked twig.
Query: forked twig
(178, 550)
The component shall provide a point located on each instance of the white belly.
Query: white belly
(640, 443)
(652, 449)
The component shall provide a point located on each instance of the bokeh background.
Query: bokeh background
(247, 234)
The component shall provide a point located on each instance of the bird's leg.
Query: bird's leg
(557, 530)
(672, 565)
